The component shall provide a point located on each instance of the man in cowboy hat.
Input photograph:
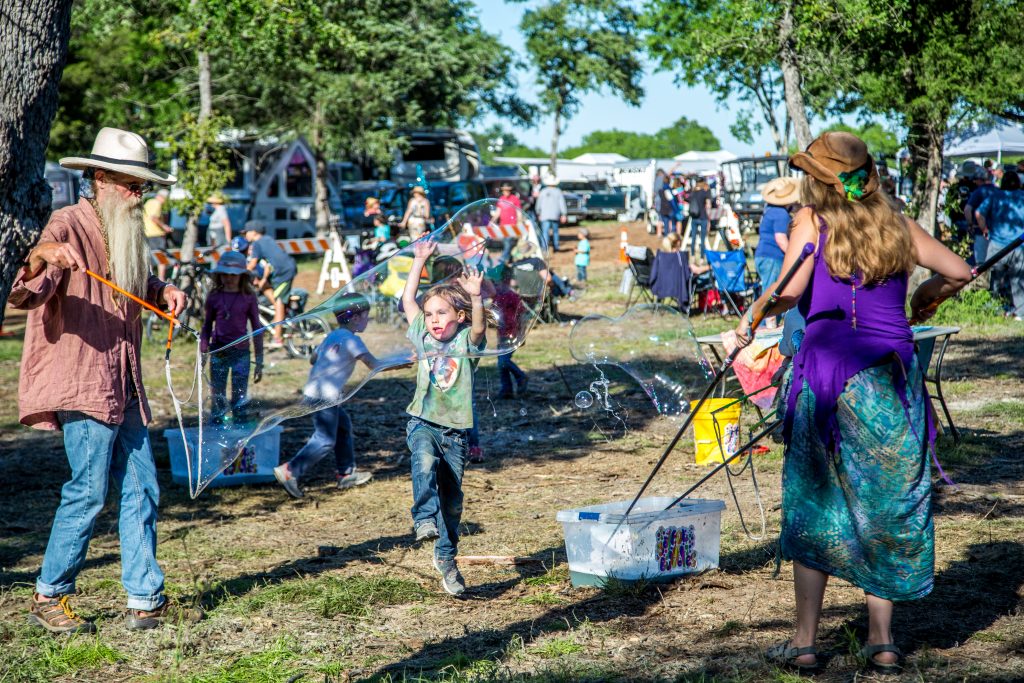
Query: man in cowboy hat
(81, 373)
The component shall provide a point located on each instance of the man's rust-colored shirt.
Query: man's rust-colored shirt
(81, 348)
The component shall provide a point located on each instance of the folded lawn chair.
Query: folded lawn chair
(536, 294)
(641, 260)
(736, 285)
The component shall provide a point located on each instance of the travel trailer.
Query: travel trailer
(439, 154)
(274, 183)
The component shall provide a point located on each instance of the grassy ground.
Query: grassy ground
(332, 587)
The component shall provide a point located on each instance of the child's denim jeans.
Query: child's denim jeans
(581, 273)
(332, 433)
(438, 460)
(235, 361)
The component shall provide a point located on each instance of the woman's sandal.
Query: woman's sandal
(784, 656)
(868, 652)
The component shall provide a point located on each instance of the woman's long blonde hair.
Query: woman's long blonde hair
(867, 238)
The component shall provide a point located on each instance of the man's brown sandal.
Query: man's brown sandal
(169, 612)
(57, 616)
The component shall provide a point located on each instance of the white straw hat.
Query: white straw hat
(122, 152)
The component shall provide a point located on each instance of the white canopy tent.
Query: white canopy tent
(998, 138)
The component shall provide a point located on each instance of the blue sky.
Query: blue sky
(664, 101)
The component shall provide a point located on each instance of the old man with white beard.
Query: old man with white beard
(81, 373)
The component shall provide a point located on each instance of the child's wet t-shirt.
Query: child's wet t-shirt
(444, 378)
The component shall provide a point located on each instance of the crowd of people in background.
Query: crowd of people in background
(985, 208)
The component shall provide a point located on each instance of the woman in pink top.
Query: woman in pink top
(509, 206)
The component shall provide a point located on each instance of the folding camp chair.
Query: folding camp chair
(536, 294)
(641, 260)
(736, 285)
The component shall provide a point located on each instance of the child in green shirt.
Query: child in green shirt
(445, 334)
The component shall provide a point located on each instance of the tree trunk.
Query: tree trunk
(322, 205)
(925, 143)
(791, 78)
(34, 38)
(188, 240)
(553, 170)
(205, 89)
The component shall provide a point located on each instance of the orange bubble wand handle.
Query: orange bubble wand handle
(166, 316)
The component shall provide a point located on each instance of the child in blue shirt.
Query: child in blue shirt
(582, 254)
(445, 334)
(333, 363)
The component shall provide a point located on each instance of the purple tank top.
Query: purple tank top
(848, 330)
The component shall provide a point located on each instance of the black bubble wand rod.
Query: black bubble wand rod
(759, 315)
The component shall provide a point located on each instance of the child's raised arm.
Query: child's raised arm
(471, 282)
(421, 249)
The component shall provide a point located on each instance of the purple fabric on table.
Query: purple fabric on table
(670, 276)
(836, 346)
(228, 315)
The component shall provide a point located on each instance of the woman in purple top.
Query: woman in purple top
(231, 308)
(856, 478)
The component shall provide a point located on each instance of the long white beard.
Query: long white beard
(129, 251)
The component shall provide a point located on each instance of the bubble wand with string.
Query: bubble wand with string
(196, 377)
(759, 315)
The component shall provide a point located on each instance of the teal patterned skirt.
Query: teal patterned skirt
(863, 514)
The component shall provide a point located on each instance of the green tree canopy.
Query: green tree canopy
(682, 136)
(582, 46)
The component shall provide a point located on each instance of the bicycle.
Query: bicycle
(301, 334)
(195, 280)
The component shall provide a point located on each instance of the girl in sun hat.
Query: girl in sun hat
(417, 213)
(231, 309)
(856, 499)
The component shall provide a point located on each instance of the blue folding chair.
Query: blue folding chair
(736, 285)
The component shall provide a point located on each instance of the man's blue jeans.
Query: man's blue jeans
(332, 433)
(98, 452)
(438, 460)
(549, 235)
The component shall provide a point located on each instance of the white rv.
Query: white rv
(439, 154)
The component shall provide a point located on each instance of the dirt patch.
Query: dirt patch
(332, 587)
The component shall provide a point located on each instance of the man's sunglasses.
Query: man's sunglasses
(132, 185)
(138, 188)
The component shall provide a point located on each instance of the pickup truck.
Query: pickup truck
(597, 200)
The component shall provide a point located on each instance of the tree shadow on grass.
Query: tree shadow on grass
(969, 596)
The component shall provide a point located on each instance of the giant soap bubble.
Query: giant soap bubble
(374, 341)
(652, 343)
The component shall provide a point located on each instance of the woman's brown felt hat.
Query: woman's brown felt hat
(833, 153)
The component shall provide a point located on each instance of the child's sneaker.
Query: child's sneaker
(353, 478)
(451, 579)
(476, 454)
(521, 386)
(285, 479)
(426, 531)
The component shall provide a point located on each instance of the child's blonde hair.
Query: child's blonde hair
(459, 299)
(672, 242)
